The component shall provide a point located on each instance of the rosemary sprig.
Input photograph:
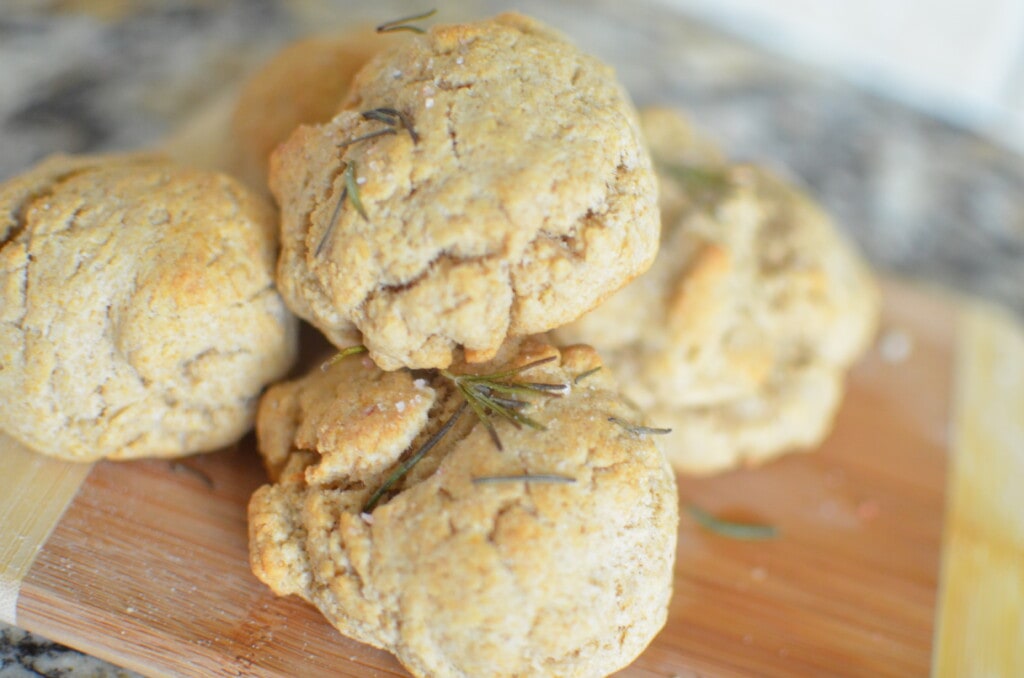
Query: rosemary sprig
(491, 395)
(407, 465)
(488, 396)
(342, 354)
(733, 530)
(525, 477)
(583, 375)
(636, 429)
(403, 23)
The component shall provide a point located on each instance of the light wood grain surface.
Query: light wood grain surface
(148, 567)
(35, 491)
(981, 628)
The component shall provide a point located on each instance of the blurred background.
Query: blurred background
(905, 118)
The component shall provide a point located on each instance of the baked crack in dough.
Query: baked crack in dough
(513, 194)
(138, 311)
(740, 334)
(464, 578)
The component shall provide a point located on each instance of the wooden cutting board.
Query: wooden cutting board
(145, 563)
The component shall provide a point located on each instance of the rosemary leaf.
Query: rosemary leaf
(526, 477)
(330, 226)
(407, 465)
(742, 531)
(402, 24)
(583, 375)
(510, 403)
(394, 118)
(640, 430)
(368, 135)
(388, 116)
(553, 389)
(512, 388)
(512, 414)
(697, 177)
(202, 476)
(705, 184)
(352, 188)
(479, 410)
(342, 354)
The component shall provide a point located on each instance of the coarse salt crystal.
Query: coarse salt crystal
(400, 406)
(429, 103)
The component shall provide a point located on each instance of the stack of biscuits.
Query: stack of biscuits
(524, 278)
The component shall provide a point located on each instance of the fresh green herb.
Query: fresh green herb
(526, 477)
(403, 25)
(352, 188)
(744, 531)
(496, 394)
(407, 465)
(583, 375)
(342, 354)
(636, 429)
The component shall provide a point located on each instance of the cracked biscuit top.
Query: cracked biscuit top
(138, 312)
(462, 570)
(481, 181)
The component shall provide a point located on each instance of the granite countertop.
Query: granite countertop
(923, 199)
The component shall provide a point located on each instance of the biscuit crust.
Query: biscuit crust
(458, 578)
(525, 198)
(138, 312)
(739, 336)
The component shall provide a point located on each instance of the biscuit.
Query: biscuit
(753, 309)
(513, 194)
(138, 312)
(455, 576)
(304, 83)
(791, 412)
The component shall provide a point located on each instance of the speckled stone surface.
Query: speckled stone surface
(923, 199)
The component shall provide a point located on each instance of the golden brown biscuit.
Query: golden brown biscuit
(138, 313)
(302, 84)
(456, 575)
(508, 192)
(739, 334)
